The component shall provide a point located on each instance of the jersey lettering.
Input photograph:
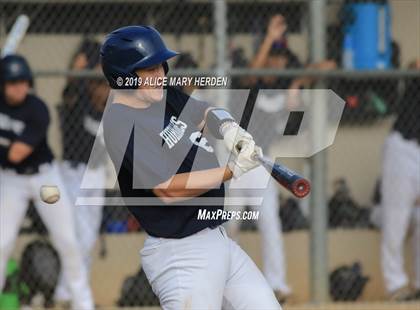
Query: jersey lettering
(9, 124)
(174, 132)
(203, 143)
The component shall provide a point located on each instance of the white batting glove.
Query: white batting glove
(245, 160)
(233, 135)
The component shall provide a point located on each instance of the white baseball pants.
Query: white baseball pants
(87, 218)
(274, 263)
(206, 270)
(15, 193)
(400, 189)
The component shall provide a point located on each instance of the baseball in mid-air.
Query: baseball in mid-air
(50, 193)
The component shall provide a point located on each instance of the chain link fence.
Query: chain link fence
(371, 173)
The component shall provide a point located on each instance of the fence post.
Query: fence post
(220, 31)
(318, 231)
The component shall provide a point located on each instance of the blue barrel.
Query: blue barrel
(369, 27)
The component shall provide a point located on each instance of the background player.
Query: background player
(400, 190)
(80, 115)
(27, 163)
(271, 106)
(190, 263)
(266, 112)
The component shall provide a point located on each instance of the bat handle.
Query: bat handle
(256, 157)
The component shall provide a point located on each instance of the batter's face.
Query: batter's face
(16, 92)
(151, 93)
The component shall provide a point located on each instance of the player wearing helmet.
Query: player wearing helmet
(27, 163)
(166, 168)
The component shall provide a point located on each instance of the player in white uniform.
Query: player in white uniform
(400, 192)
(80, 117)
(27, 163)
(269, 107)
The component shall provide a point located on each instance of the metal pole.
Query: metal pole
(222, 66)
(220, 31)
(318, 242)
(237, 72)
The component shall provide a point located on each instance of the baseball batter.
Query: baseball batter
(166, 170)
(27, 163)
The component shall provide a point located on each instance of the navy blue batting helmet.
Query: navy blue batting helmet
(130, 48)
(15, 68)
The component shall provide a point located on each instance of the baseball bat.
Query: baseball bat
(296, 184)
(16, 35)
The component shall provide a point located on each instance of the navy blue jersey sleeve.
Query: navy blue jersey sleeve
(36, 126)
(179, 101)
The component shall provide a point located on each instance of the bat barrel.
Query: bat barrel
(16, 34)
(300, 188)
(297, 185)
